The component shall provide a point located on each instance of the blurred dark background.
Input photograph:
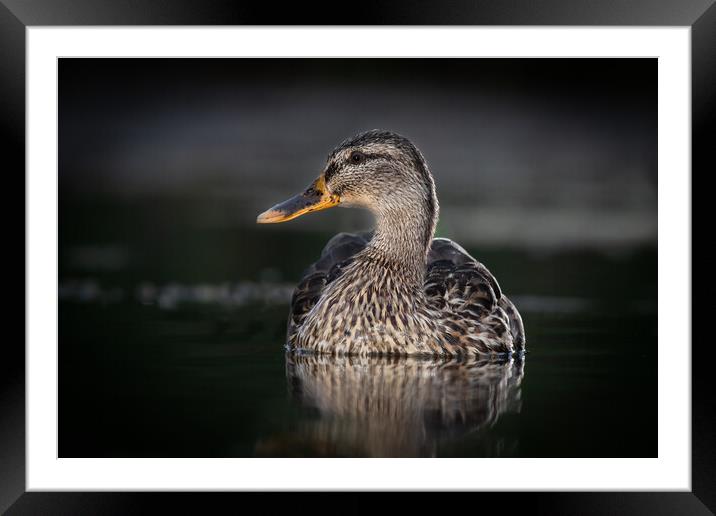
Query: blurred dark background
(173, 301)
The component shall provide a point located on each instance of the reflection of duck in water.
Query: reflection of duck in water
(398, 292)
(396, 406)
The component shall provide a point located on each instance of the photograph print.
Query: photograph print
(357, 257)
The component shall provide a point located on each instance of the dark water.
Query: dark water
(171, 345)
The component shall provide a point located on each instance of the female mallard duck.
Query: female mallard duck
(397, 291)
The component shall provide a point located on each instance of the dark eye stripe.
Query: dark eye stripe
(332, 168)
(330, 171)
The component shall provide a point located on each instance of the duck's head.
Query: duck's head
(378, 170)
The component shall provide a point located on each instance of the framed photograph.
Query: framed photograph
(505, 304)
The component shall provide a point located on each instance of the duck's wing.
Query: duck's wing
(336, 255)
(457, 279)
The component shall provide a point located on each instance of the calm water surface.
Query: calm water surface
(175, 349)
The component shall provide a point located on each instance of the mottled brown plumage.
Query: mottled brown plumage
(396, 291)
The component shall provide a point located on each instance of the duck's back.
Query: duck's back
(465, 290)
(459, 287)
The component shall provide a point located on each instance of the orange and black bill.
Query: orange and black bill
(315, 198)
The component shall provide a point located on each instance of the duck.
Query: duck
(395, 290)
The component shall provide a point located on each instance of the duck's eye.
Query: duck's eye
(357, 157)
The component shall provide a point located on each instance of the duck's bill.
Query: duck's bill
(315, 198)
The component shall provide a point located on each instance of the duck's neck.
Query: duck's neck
(402, 238)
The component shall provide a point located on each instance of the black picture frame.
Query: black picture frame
(17, 15)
